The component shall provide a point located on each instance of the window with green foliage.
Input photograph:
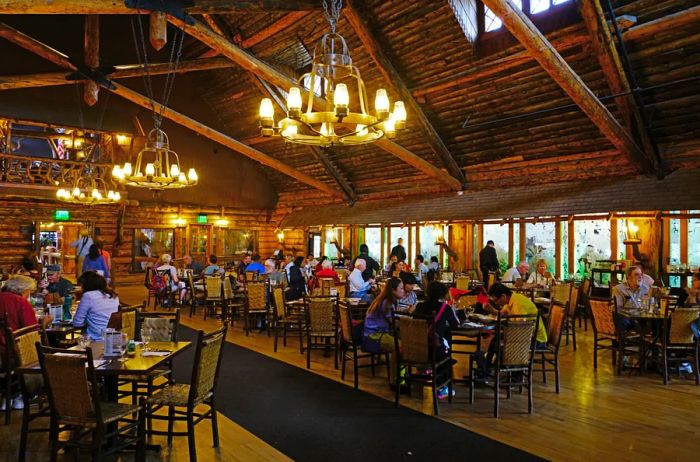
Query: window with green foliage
(373, 239)
(592, 243)
(499, 235)
(540, 243)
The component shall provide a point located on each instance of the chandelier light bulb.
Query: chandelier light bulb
(341, 99)
(82, 195)
(110, 195)
(95, 193)
(76, 192)
(290, 130)
(266, 109)
(127, 169)
(174, 171)
(324, 129)
(192, 175)
(381, 104)
(117, 196)
(294, 102)
(390, 127)
(399, 115)
(150, 169)
(182, 178)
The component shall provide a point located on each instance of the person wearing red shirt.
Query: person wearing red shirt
(14, 306)
(326, 272)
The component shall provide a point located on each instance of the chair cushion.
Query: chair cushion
(174, 395)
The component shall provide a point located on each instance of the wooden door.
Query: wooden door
(200, 242)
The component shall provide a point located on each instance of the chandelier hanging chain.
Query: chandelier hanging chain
(332, 12)
(173, 63)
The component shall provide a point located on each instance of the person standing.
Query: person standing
(96, 262)
(399, 250)
(82, 249)
(371, 267)
(488, 261)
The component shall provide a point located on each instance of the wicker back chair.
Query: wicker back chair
(69, 377)
(491, 279)
(159, 326)
(560, 292)
(342, 274)
(213, 286)
(571, 311)
(418, 353)
(21, 351)
(256, 304)
(251, 276)
(515, 337)
(125, 320)
(321, 325)
(326, 285)
(678, 343)
(182, 399)
(603, 322)
(549, 353)
(284, 321)
(462, 282)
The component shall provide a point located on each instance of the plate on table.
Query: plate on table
(353, 301)
(483, 318)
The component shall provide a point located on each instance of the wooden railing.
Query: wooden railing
(49, 172)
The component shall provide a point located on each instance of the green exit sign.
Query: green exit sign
(202, 219)
(61, 215)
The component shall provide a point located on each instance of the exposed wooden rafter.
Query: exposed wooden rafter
(275, 28)
(55, 56)
(359, 22)
(551, 61)
(252, 64)
(118, 6)
(606, 54)
(47, 79)
(670, 22)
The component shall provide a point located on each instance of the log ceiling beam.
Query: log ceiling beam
(609, 60)
(258, 67)
(91, 46)
(46, 79)
(670, 22)
(181, 119)
(278, 26)
(118, 7)
(359, 22)
(551, 61)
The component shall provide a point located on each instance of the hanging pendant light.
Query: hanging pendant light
(333, 73)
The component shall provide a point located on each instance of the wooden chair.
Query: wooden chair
(125, 320)
(321, 326)
(447, 276)
(630, 341)
(492, 278)
(462, 282)
(603, 324)
(351, 343)
(251, 276)
(255, 305)
(549, 355)
(560, 292)
(677, 342)
(283, 320)
(326, 284)
(196, 295)
(466, 301)
(148, 284)
(419, 355)
(213, 286)
(571, 312)
(233, 304)
(22, 351)
(69, 378)
(515, 345)
(200, 391)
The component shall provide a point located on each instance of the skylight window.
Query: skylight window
(538, 6)
(466, 13)
(493, 22)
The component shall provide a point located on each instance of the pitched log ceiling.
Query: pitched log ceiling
(520, 125)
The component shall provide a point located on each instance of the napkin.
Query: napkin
(155, 353)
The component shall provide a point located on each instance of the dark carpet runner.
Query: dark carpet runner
(309, 417)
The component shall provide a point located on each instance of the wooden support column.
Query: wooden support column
(409, 251)
(157, 29)
(613, 239)
(684, 238)
(382, 242)
(551, 61)
(511, 244)
(91, 47)
(609, 60)
(557, 250)
(571, 247)
(359, 22)
(522, 243)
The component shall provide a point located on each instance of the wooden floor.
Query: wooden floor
(597, 415)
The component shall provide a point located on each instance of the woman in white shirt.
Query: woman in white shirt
(541, 276)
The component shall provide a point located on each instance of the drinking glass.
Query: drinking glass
(145, 338)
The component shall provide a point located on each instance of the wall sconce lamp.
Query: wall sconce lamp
(180, 222)
(221, 222)
(631, 234)
(280, 236)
